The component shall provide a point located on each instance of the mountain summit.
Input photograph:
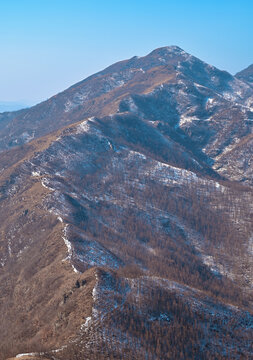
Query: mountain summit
(126, 216)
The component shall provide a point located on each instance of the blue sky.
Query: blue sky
(48, 45)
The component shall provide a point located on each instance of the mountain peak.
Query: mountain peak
(168, 49)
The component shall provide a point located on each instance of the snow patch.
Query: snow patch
(69, 248)
(162, 60)
(86, 324)
(26, 137)
(45, 182)
(187, 119)
(132, 106)
(133, 154)
(83, 127)
(27, 354)
(36, 173)
(67, 242)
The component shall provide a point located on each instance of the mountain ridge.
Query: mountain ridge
(126, 216)
(171, 53)
(246, 74)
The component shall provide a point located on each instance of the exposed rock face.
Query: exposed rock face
(130, 197)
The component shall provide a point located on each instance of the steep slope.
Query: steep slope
(93, 196)
(121, 230)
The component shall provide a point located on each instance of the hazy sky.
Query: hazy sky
(48, 45)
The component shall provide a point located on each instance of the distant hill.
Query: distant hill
(11, 106)
(246, 75)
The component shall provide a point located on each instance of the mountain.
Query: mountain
(246, 75)
(200, 103)
(126, 216)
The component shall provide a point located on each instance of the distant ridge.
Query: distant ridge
(246, 74)
(11, 106)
